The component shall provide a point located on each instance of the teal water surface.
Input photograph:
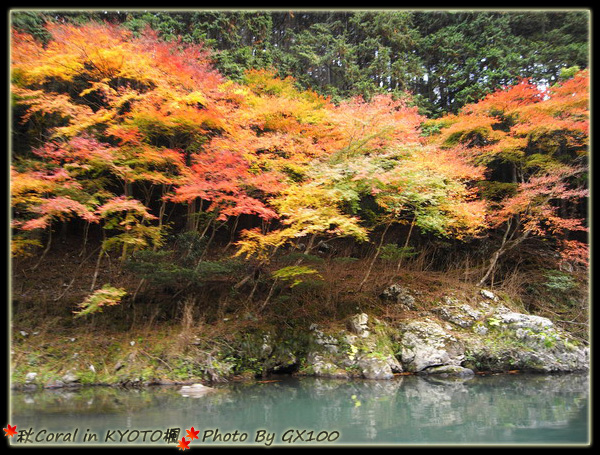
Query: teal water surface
(408, 410)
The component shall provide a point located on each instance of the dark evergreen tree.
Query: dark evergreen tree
(445, 59)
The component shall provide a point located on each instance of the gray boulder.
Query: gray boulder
(489, 295)
(398, 294)
(70, 378)
(375, 368)
(424, 343)
(458, 313)
(322, 366)
(327, 342)
(449, 370)
(354, 353)
(358, 325)
(529, 343)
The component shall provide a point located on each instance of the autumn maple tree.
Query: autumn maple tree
(134, 111)
(533, 144)
(129, 125)
(117, 131)
(385, 157)
(116, 123)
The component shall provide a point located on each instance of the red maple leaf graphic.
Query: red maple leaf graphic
(183, 444)
(11, 431)
(192, 434)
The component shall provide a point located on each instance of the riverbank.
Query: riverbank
(473, 334)
(407, 321)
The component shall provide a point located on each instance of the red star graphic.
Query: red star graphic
(11, 431)
(192, 434)
(183, 444)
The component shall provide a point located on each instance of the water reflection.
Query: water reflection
(407, 410)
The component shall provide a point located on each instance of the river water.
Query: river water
(408, 410)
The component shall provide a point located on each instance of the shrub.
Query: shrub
(559, 281)
(106, 296)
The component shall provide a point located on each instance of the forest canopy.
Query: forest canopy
(445, 59)
(159, 131)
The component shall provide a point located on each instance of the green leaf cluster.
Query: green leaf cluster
(293, 272)
(106, 296)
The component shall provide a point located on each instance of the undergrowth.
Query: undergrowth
(169, 325)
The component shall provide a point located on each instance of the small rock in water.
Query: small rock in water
(56, 384)
(69, 377)
(448, 370)
(195, 390)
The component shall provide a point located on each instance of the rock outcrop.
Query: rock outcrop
(456, 338)
(424, 344)
(526, 342)
(358, 353)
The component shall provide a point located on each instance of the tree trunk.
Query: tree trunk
(97, 269)
(492, 266)
(232, 234)
(46, 249)
(508, 243)
(85, 237)
(412, 225)
(387, 226)
(264, 304)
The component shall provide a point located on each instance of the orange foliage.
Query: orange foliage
(543, 135)
(118, 111)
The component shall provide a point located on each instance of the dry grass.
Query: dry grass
(47, 298)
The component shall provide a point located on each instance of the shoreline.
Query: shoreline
(452, 340)
(24, 388)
